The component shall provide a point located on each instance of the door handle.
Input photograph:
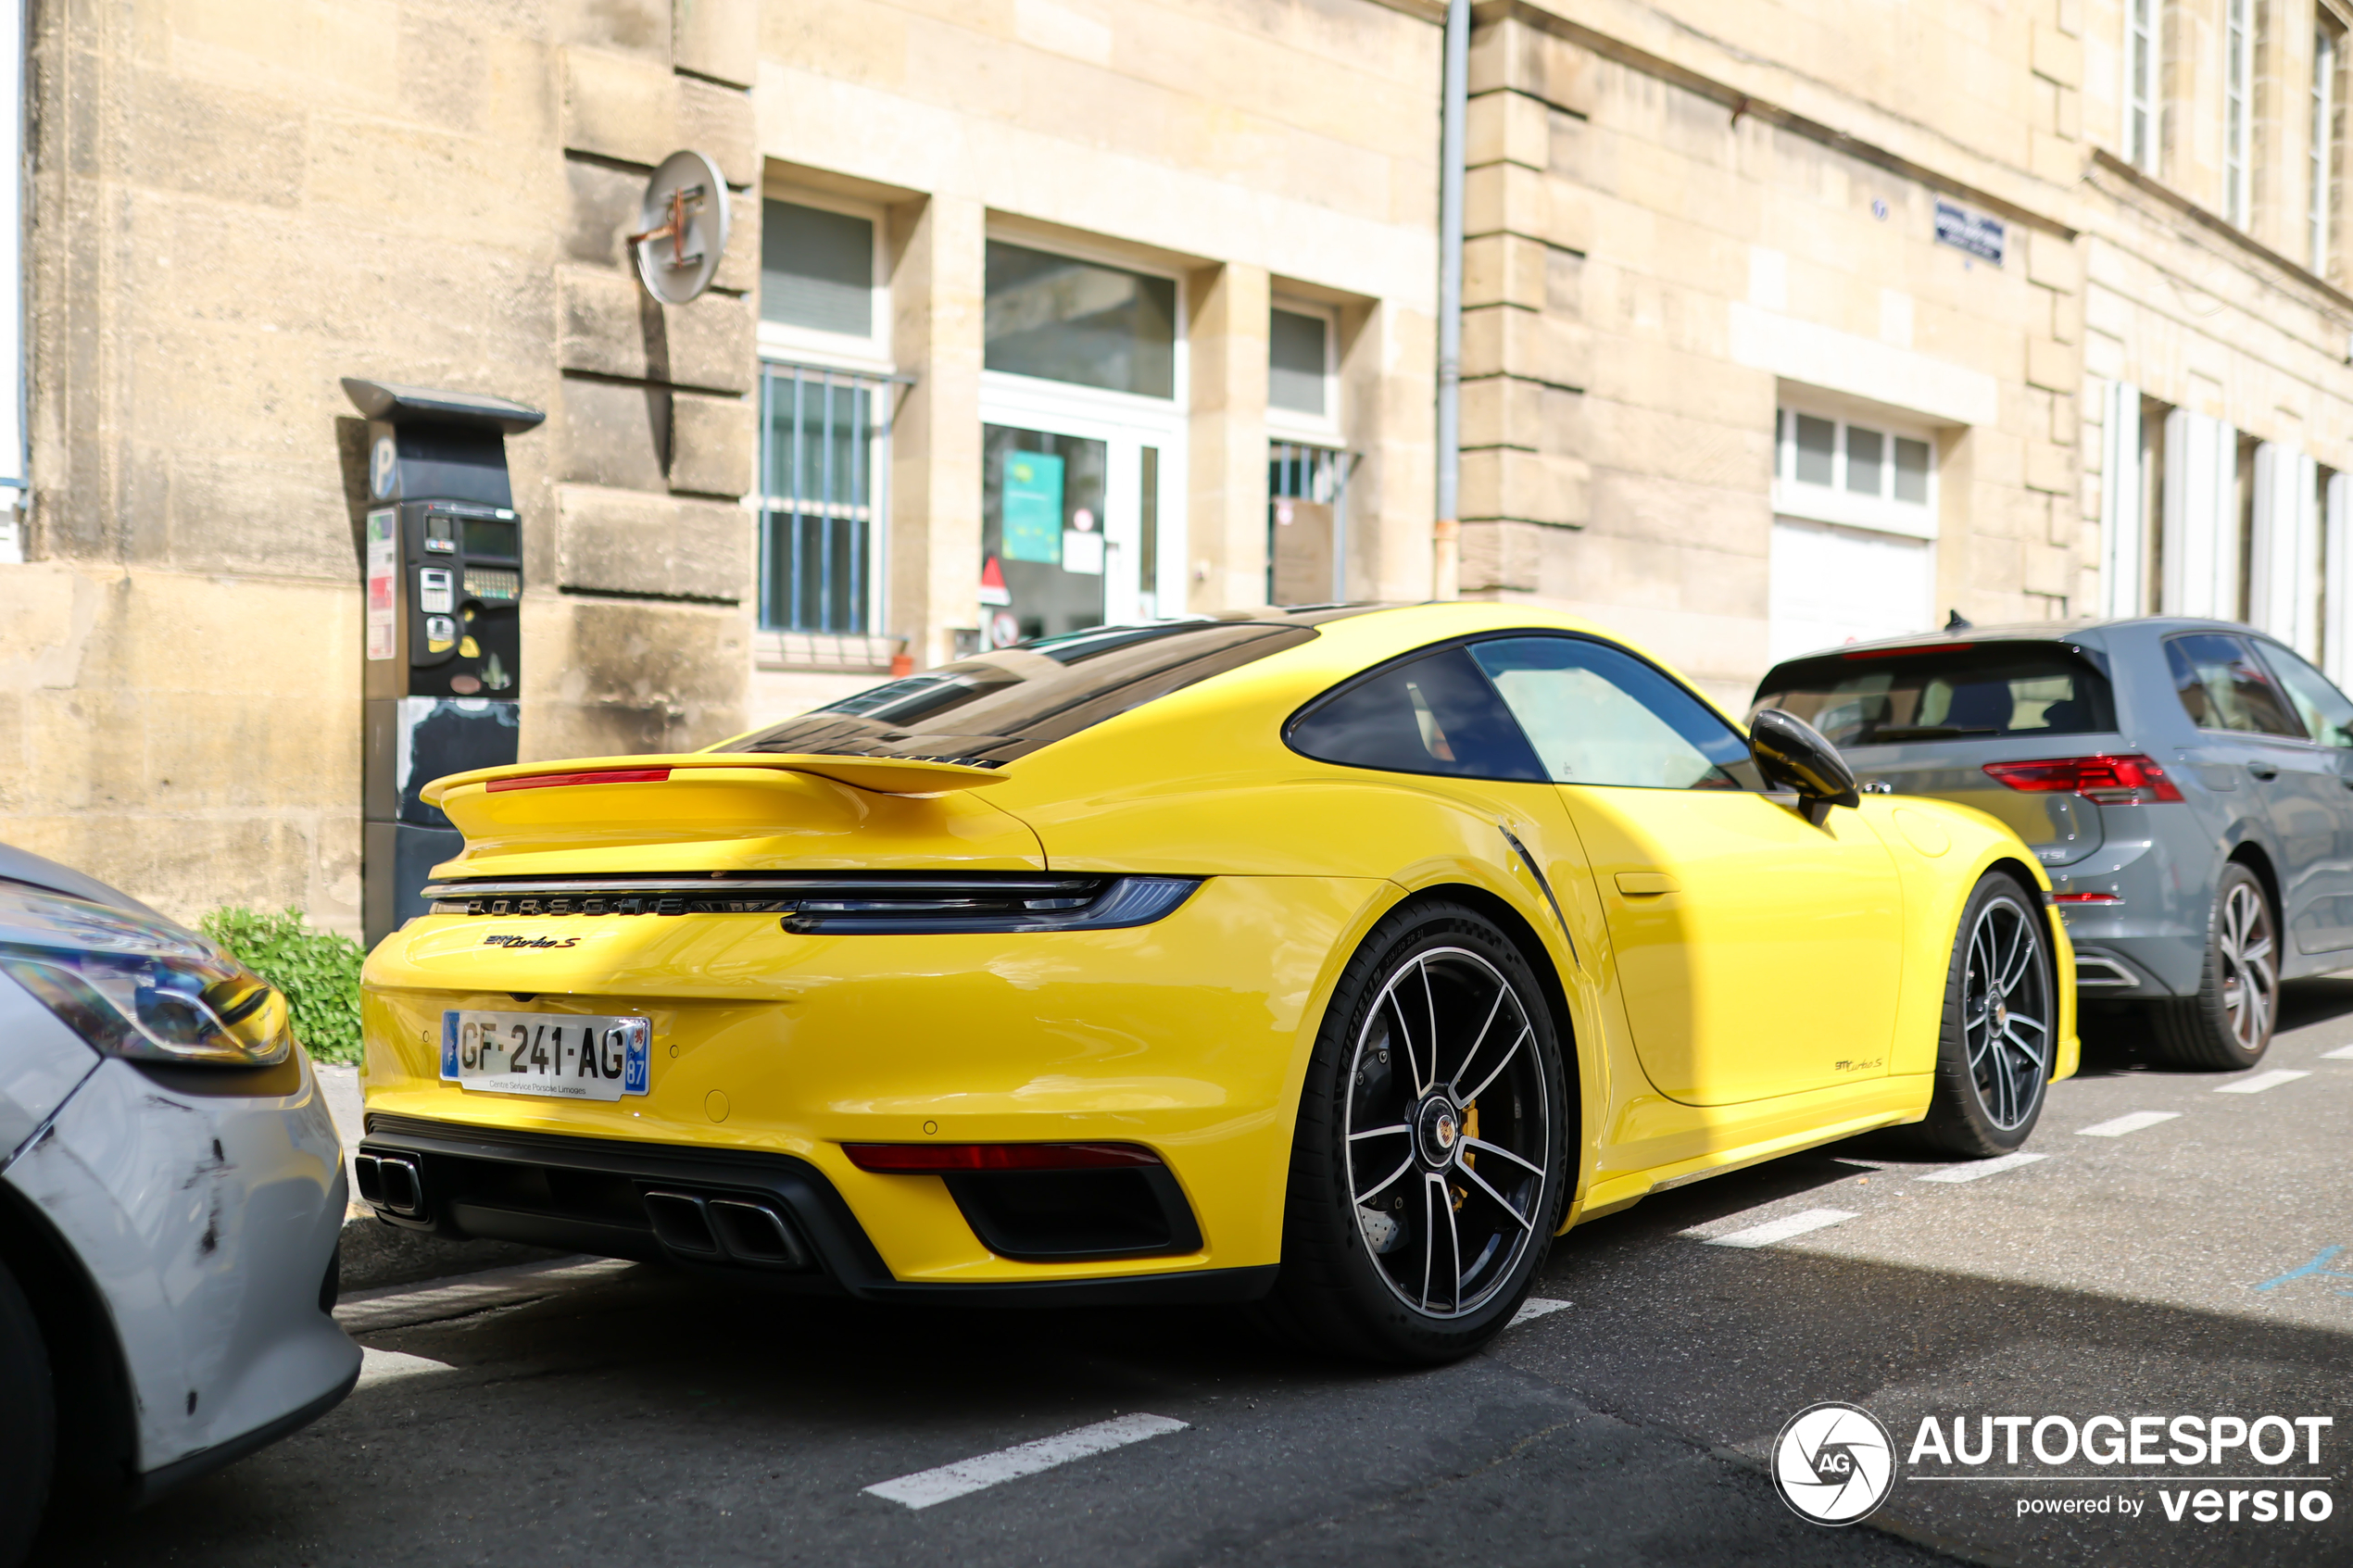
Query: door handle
(1645, 885)
(2263, 770)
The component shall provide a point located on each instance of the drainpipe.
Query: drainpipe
(1445, 535)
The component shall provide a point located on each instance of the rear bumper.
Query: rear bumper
(2160, 863)
(588, 1194)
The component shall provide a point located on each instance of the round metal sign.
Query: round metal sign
(682, 228)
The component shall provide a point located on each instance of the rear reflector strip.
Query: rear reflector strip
(2115, 779)
(2087, 898)
(956, 1158)
(599, 776)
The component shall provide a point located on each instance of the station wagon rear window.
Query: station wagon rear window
(998, 706)
(1892, 696)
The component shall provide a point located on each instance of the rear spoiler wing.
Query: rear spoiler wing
(883, 775)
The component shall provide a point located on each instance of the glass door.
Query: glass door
(1070, 511)
(1043, 533)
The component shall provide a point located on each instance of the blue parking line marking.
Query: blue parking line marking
(2314, 1268)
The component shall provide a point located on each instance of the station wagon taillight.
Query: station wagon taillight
(2124, 779)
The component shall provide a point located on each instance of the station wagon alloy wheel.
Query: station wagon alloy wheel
(1446, 1132)
(2007, 1011)
(2250, 964)
(2227, 1026)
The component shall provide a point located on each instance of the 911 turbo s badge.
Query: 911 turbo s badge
(506, 940)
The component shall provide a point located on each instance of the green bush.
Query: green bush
(317, 970)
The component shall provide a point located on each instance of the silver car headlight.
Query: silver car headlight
(136, 985)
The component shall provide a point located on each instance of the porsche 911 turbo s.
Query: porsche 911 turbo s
(1335, 960)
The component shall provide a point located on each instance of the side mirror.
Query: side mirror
(1794, 755)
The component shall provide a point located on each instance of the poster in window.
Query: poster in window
(1033, 501)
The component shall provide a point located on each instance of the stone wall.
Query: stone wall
(233, 205)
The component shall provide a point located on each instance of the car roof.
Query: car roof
(2074, 629)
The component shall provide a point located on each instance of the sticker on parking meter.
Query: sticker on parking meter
(382, 564)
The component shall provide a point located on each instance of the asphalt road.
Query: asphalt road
(613, 1413)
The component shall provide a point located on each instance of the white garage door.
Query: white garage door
(1832, 585)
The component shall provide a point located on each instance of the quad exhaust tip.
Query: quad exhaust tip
(725, 1230)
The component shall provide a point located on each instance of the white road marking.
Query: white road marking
(1533, 1307)
(384, 1366)
(2123, 1124)
(2262, 1081)
(1983, 1168)
(1782, 1229)
(928, 1486)
(2342, 1053)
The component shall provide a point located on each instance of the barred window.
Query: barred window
(823, 438)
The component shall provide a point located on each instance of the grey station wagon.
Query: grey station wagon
(2188, 786)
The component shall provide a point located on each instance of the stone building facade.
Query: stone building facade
(230, 205)
(1730, 393)
(1786, 322)
(1795, 324)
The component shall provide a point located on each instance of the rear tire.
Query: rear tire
(28, 1423)
(1431, 1160)
(2227, 1026)
(2000, 1034)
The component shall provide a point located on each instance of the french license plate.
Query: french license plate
(558, 1055)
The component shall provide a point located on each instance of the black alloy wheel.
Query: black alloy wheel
(2227, 1026)
(1430, 1165)
(1999, 1041)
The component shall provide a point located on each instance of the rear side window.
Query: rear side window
(2326, 713)
(1953, 692)
(1597, 715)
(1435, 714)
(2224, 687)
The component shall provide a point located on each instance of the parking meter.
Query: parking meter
(443, 682)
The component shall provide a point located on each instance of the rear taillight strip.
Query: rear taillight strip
(844, 906)
(2109, 778)
(836, 885)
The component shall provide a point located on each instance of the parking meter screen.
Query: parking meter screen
(490, 537)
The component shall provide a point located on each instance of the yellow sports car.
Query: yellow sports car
(1333, 959)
